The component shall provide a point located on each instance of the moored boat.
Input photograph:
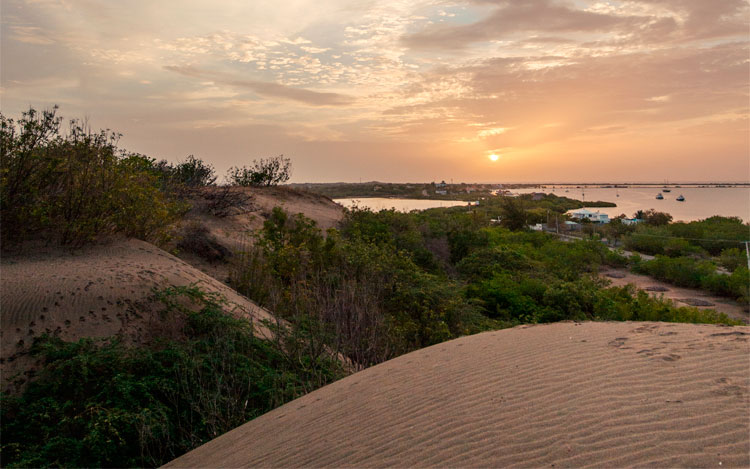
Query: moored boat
(681, 198)
(659, 196)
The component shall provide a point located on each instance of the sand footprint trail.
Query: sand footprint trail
(558, 395)
(99, 291)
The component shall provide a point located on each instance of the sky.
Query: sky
(401, 90)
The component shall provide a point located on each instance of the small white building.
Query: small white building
(631, 221)
(593, 217)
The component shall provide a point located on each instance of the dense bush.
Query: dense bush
(75, 187)
(695, 273)
(709, 236)
(263, 172)
(377, 301)
(732, 258)
(107, 404)
(193, 172)
(518, 282)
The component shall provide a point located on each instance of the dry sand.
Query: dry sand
(233, 231)
(106, 290)
(558, 395)
(99, 291)
(680, 295)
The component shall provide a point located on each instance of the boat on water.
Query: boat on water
(681, 198)
(666, 190)
(659, 196)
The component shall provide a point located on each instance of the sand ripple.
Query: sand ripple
(559, 395)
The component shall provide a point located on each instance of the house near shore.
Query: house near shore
(631, 221)
(593, 217)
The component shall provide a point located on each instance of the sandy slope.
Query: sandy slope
(232, 231)
(559, 395)
(98, 291)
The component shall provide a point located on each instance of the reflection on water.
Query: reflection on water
(700, 202)
(402, 205)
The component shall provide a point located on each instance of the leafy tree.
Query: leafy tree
(654, 218)
(616, 229)
(193, 172)
(264, 172)
(513, 214)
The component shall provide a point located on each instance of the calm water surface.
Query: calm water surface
(402, 205)
(700, 202)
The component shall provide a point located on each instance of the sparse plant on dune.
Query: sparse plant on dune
(264, 172)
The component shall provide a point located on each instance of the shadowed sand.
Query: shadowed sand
(99, 291)
(558, 395)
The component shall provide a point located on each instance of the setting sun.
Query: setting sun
(493, 157)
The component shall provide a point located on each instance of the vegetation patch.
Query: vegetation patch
(73, 188)
(108, 404)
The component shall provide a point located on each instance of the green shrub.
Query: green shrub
(74, 188)
(377, 301)
(681, 271)
(264, 172)
(194, 172)
(101, 403)
(731, 258)
(694, 273)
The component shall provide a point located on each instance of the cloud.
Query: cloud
(629, 21)
(638, 91)
(528, 15)
(30, 35)
(273, 90)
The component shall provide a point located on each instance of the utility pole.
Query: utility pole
(747, 253)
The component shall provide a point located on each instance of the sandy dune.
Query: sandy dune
(559, 395)
(232, 231)
(99, 291)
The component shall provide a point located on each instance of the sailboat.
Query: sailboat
(681, 198)
(659, 196)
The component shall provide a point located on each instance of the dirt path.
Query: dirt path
(680, 295)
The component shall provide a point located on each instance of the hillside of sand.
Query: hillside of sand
(557, 395)
(98, 291)
(107, 289)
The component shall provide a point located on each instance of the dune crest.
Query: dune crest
(564, 394)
